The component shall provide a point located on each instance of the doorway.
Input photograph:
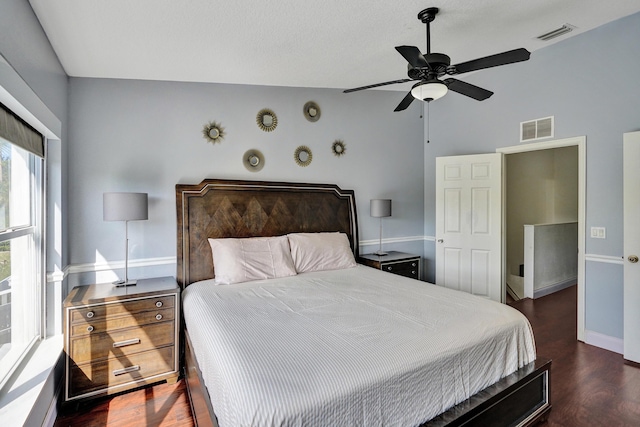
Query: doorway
(532, 173)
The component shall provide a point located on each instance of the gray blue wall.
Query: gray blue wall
(32, 75)
(146, 136)
(590, 83)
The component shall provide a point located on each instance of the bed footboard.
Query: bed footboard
(520, 399)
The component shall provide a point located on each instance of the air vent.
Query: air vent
(566, 28)
(536, 129)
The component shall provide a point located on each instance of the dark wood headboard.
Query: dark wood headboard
(225, 208)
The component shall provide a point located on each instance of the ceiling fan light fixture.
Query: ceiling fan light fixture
(429, 90)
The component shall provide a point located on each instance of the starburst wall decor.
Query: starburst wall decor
(213, 132)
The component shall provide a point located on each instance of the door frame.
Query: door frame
(631, 293)
(581, 143)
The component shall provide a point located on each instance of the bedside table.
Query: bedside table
(119, 338)
(400, 263)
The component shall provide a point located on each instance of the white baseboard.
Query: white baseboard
(547, 290)
(604, 341)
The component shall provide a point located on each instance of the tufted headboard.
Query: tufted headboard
(226, 208)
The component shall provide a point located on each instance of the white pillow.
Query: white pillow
(320, 251)
(255, 258)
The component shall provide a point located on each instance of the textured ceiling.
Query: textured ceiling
(302, 43)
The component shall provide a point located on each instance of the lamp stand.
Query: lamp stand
(126, 281)
(380, 252)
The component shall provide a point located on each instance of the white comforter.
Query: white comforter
(353, 347)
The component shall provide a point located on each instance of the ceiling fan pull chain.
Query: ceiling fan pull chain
(428, 121)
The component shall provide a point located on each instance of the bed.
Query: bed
(337, 346)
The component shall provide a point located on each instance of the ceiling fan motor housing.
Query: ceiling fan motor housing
(438, 66)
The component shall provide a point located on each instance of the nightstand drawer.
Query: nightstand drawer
(113, 372)
(98, 346)
(104, 310)
(405, 268)
(400, 263)
(94, 326)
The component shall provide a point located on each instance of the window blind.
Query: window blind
(18, 132)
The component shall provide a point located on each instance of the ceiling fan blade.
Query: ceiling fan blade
(413, 56)
(468, 89)
(405, 102)
(504, 58)
(376, 85)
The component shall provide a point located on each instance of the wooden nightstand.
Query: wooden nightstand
(119, 338)
(400, 263)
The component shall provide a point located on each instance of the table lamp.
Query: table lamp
(380, 208)
(125, 207)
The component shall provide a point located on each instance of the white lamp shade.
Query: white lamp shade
(429, 91)
(125, 206)
(380, 208)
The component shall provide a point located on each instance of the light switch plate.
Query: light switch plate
(598, 233)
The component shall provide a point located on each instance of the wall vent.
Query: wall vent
(536, 129)
(566, 28)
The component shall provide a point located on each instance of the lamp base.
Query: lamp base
(122, 283)
(380, 253)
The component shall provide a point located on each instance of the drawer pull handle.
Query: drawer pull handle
(159, 304)
(158, 316)
(127, 342)
(389, 268)
(89, 328)
(413, 264)
(90, 314)
(413, 272)
(133, 368)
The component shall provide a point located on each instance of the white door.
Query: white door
(469, 224)
(632, 246)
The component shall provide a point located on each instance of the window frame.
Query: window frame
(36, 228)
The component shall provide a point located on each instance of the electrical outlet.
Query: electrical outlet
(598, 233)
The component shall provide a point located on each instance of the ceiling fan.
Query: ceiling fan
(428, 69)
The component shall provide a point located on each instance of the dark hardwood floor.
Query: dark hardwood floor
(589, 386)
(164, 405)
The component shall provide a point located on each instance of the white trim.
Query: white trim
(604, 258)
(395, 240)
(107, 266)
(604, 341)
(535, 146)
(581, 143)
(56, 276)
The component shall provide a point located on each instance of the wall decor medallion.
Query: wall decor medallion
(253, 160)
(339, 147)
(311, 111)
(213, 132)
(267, 120)
(303, 156)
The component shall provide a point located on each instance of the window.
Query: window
(21, 252)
